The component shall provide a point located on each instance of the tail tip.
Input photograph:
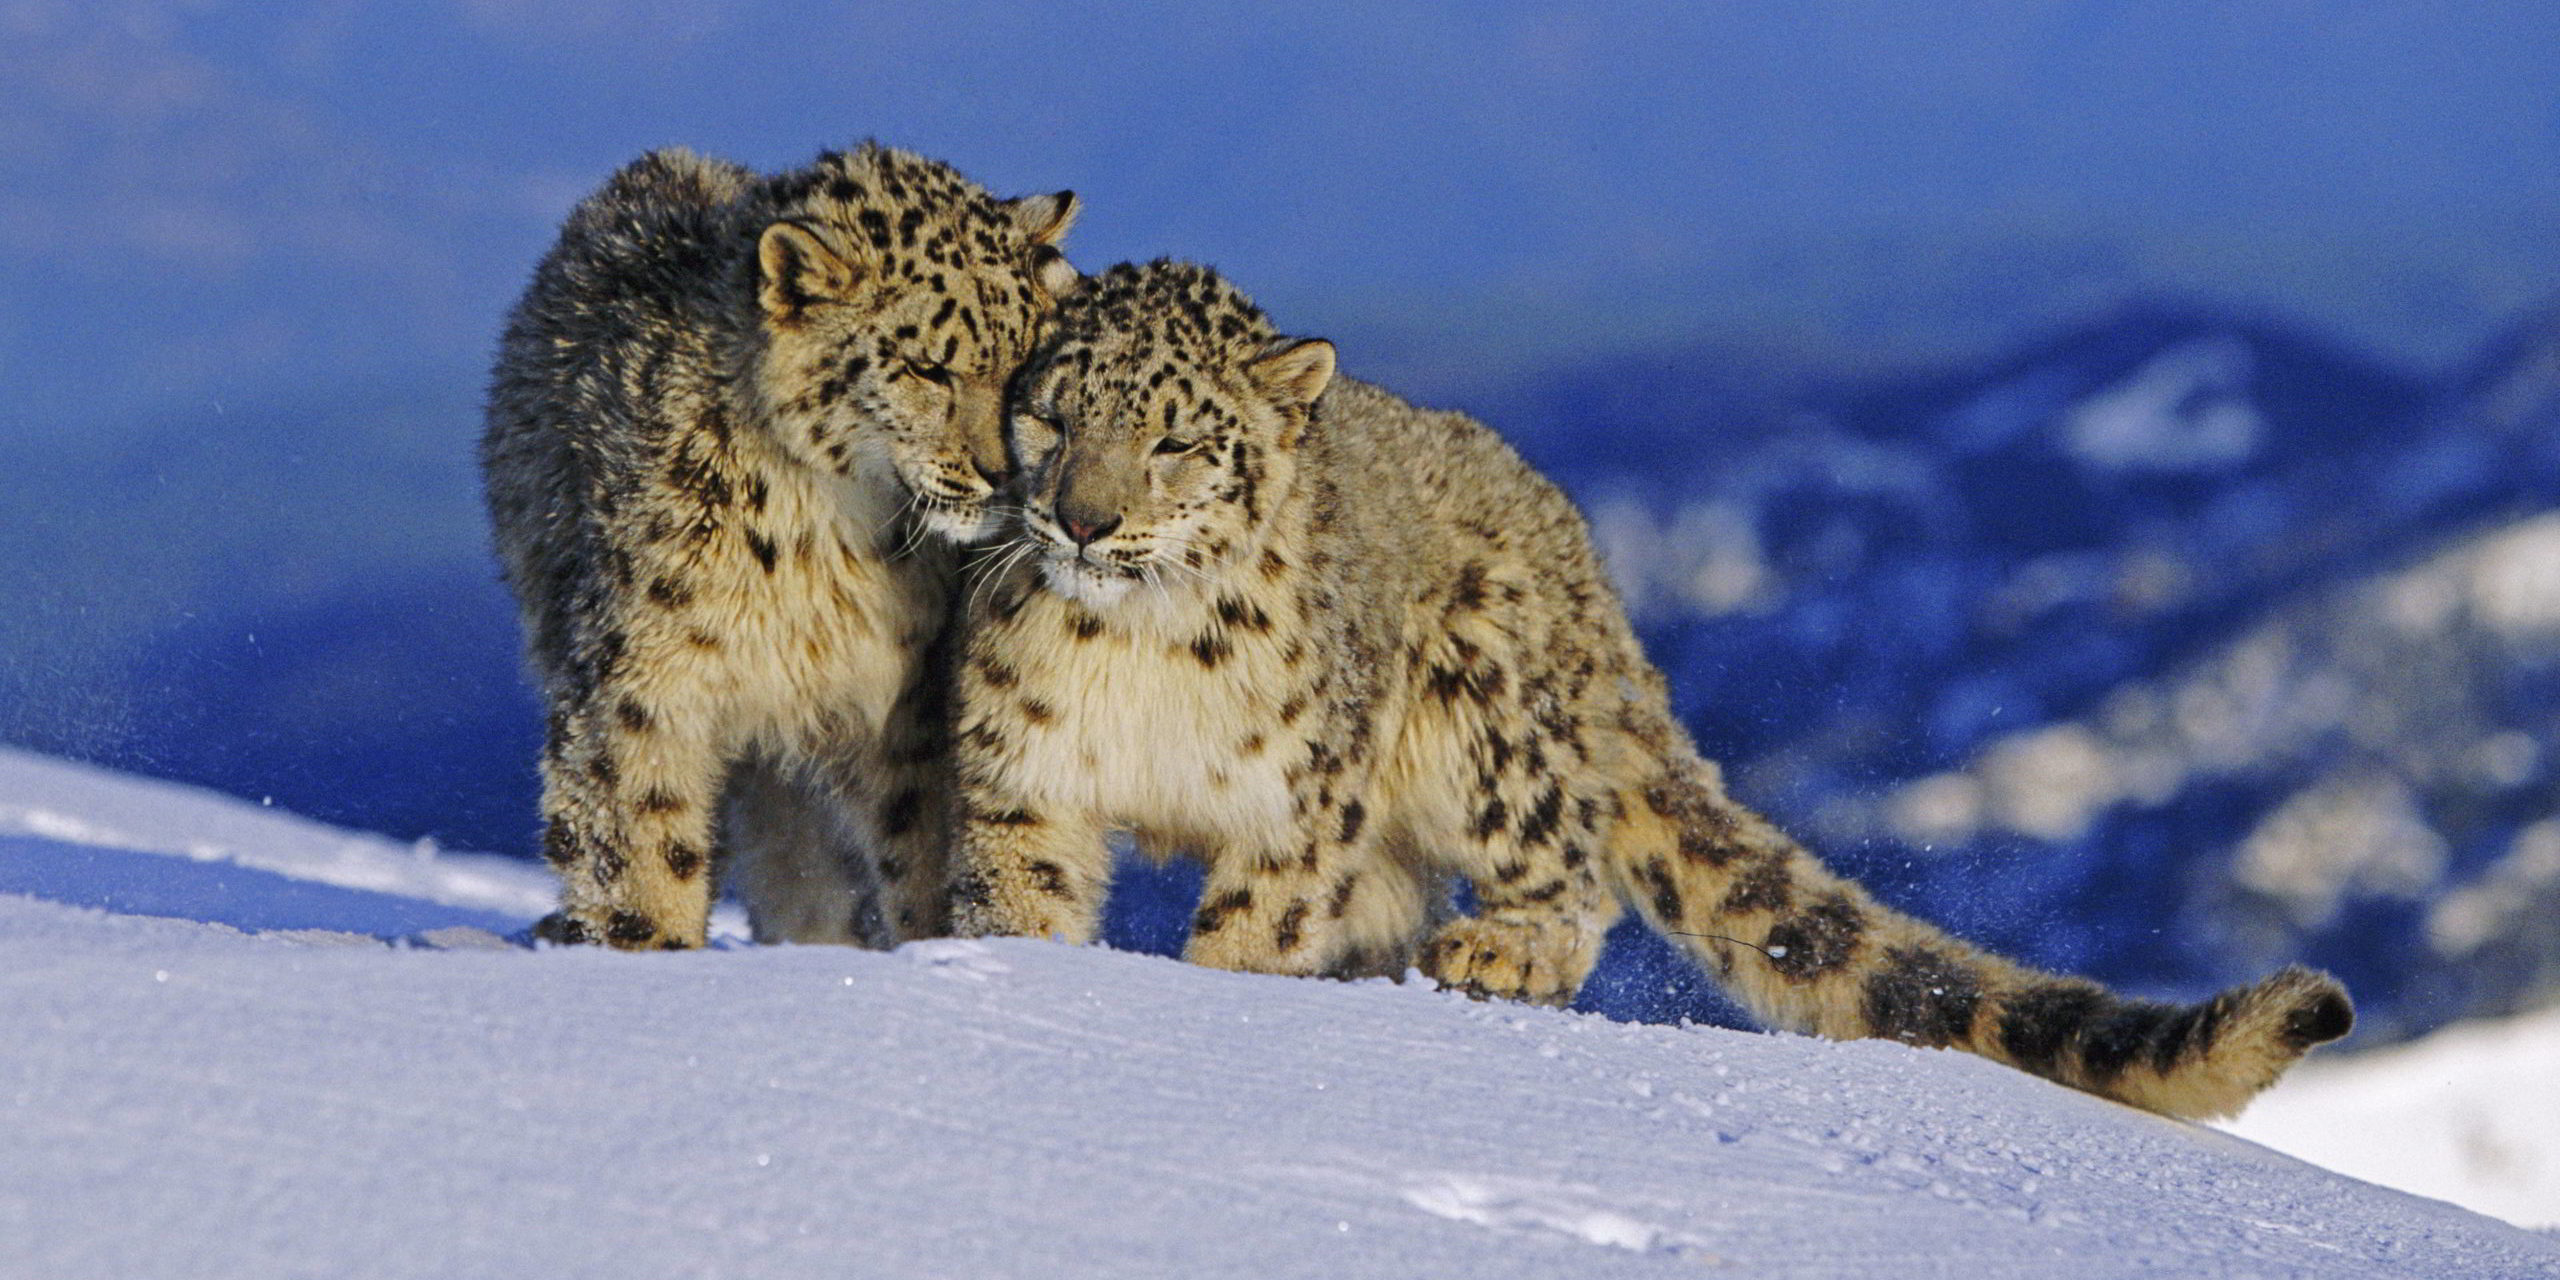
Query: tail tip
(2319, 1009)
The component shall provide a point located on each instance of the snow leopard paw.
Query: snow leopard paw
(1537, 962)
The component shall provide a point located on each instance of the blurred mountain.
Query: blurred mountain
(2170, 648)
(252, 258)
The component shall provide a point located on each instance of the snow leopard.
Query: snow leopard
(734, 421)
(1344, 649)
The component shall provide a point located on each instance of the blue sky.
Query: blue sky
(211, 199)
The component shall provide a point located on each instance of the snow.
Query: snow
(2515, 579)
(2470, 1114)
(2187, 410)
(2525, 880)
(244, 1045)
(250, 863)
(119, 816)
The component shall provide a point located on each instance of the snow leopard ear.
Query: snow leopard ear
(1045, 218)
(797, 271)
(1057, 275)
(1294, 372)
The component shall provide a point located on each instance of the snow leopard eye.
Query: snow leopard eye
(932, 371)
(1174, 447)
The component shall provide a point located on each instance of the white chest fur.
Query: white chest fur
(1144, 723)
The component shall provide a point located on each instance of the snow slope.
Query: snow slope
(242, 1045)
(2470, 1114)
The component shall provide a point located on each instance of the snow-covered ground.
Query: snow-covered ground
(237, 1044)
(2470, 1114)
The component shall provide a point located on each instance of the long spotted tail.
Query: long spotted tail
(1808, 951)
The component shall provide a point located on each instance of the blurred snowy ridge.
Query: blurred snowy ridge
(2189, 637)
(2167, 649)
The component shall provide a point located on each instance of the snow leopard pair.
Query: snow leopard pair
(1338, 648)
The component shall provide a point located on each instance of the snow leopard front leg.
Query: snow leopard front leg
(909, 788)
(1530, 849)
(1274, 910)
(628, 799)
(1022, 870)
(904, 794)
(1300, 901)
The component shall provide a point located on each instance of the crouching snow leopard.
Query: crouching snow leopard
(1341, 646)
(725, 416)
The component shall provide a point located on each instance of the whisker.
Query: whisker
(975, 559)
(985, 567)
(1195, 573)
(1182, 543)
(993, 568)
(914, 539)
(913, 531)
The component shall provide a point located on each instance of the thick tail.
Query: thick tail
(1808, 951)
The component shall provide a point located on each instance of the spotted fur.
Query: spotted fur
(725, 417)
(1342, 647)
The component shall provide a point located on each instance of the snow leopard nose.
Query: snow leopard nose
(1085, 528)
